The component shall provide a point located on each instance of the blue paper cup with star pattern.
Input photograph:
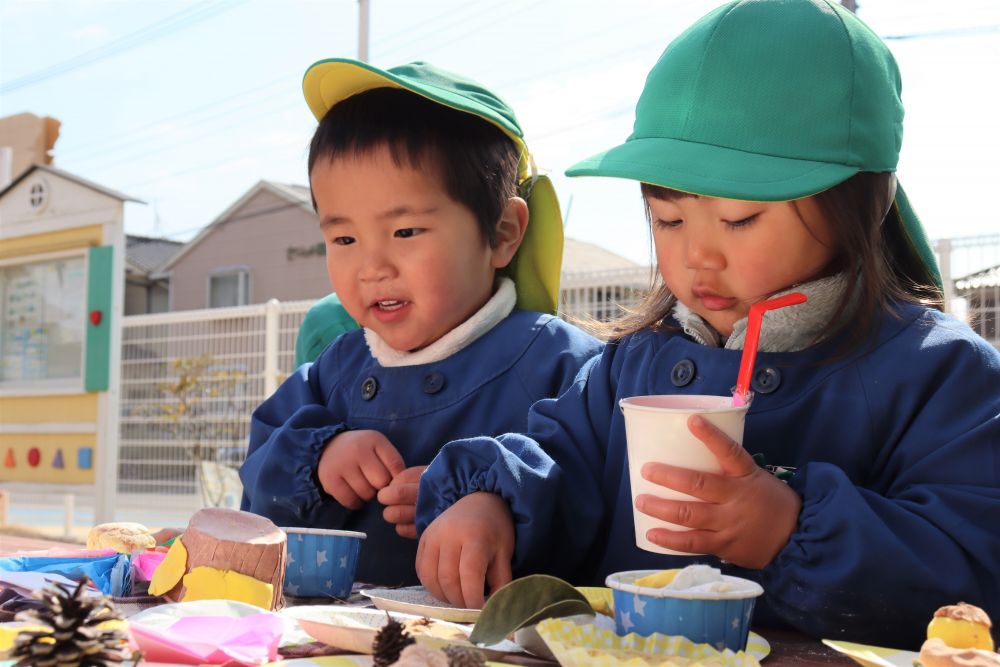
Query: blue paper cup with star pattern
(321, 562)
(720, 619)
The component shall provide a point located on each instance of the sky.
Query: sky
(187, 105)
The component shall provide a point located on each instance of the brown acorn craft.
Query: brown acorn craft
(74, 636)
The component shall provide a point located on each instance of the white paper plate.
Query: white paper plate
(353, 629)
(417, 600)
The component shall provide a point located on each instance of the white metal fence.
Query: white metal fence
(191, 379)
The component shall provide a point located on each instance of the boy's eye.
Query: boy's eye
(407, 232)
(343, 240)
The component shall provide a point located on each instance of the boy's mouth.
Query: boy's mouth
(389, 304)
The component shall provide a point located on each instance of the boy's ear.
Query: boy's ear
(510, 231)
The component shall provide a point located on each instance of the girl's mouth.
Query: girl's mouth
(713, 301)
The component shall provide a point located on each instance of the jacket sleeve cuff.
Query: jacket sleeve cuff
(281, 483)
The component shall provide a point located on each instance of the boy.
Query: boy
(416, 174)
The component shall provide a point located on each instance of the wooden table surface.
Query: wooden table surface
(787, 648)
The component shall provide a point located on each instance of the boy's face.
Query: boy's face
(720, 256)
(406, 260)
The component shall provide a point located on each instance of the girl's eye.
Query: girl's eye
(745, 222)
(343, 240)
(666, 224)
(407, 232)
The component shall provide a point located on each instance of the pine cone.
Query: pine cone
(464, 656)
(73, 638)
(389, 642)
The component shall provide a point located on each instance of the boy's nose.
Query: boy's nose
(375, 267)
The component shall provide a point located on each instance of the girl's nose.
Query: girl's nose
(701, 253)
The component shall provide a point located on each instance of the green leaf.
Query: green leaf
(526, 601)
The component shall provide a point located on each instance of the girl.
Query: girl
(765, 140)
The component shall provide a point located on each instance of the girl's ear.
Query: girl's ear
(510, 232)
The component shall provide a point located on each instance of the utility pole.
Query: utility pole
(850, 4)
(363, 7)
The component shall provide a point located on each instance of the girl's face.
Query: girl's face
(720, 256)
(406, 260)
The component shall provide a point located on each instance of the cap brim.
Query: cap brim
(330, 81)
(713, 171)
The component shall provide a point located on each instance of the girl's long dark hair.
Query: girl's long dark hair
(873, 250)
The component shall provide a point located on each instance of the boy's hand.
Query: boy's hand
(748, 514)
(354, 465)
(470, 544)
(400, 500)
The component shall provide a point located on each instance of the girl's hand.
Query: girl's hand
(469, 544)
(355, 465)
(400, 500)
(747, 515)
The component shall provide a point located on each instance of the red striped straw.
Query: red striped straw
(754, 319)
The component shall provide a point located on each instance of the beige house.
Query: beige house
(267, 245)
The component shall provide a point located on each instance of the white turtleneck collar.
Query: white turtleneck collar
(492, 313)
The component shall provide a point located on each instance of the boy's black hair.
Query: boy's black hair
(477, 162)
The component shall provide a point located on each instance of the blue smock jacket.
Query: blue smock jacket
(484, 389)
(897, 450)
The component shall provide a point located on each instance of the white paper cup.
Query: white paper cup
(656, 430)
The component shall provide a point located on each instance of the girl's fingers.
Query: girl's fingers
(690, 514)
(735, 460)
(702, 485)
(690, 541)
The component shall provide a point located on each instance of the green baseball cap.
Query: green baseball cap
(536, 266)
(768, 100)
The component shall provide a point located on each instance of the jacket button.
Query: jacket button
(682, 373)
(765, 380)
(433, 383)
(369, 388)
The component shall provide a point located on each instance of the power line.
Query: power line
(141, 37)
(947, 32)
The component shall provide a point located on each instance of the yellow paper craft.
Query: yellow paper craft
(170, 571)
(658, 579)
(600, 598)
(208, 583)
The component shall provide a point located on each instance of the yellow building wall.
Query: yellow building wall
(70, 408)
(73, 408)
(66, 239)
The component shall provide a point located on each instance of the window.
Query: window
(42, 324)
(229, 287)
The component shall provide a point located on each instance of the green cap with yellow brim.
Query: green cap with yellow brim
(769, 100)
(536, 266)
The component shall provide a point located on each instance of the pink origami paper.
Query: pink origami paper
(213, 640)
(144, 563)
